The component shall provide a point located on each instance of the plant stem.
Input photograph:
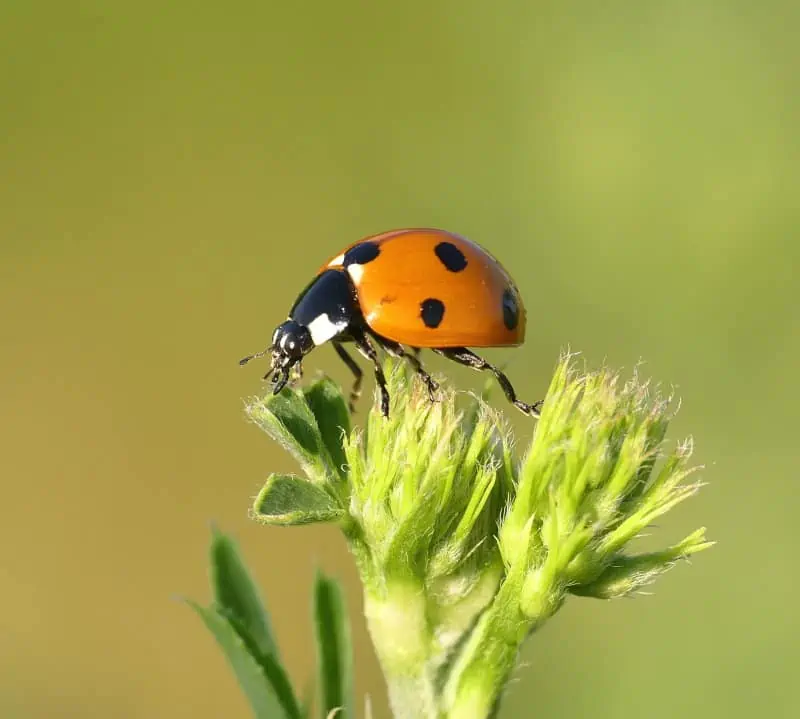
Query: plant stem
(399, 627)
(488, 658)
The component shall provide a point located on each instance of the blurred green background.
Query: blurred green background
(172, 173)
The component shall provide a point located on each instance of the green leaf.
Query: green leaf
(261, 677)
(289, 421)
(325, 399)
(334, 651)
(291, 500)
(275, 671)
(629, 573)
(236, 596)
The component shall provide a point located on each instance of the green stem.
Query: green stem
(414, 636)
(399, 627)
(488, 658)
(412, 697)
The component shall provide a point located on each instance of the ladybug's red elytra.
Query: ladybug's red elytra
(405, 289)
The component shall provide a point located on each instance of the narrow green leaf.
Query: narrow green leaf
(628, 573)
(291, 500)
(236, 595)
(257, 675)
(275, 672)
(325, 399)
(334, 650)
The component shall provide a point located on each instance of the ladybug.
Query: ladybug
(400, 290)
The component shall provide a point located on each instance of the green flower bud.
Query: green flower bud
(462, 549)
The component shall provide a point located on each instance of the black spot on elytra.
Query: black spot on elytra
(432, 312)
(450, 256)
(510, 309)
(361, 254)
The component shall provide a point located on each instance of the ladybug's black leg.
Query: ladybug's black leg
(280, 381)
(297, 372)
(397, 350)
(366, 348)
(464, 356)
(358, 373)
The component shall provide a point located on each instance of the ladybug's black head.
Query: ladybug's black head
(324, 310)
(291, 341)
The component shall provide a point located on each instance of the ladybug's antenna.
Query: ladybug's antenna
(245, 360)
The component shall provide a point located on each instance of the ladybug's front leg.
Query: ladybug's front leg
(296, 373)
(366, 348)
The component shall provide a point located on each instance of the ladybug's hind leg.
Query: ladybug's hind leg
(466, 357)
(358, 374)
(397, 350)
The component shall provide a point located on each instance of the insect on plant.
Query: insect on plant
(403, 291)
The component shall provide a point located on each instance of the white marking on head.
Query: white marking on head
(322, 329)
(336, 261)
(356, 272)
